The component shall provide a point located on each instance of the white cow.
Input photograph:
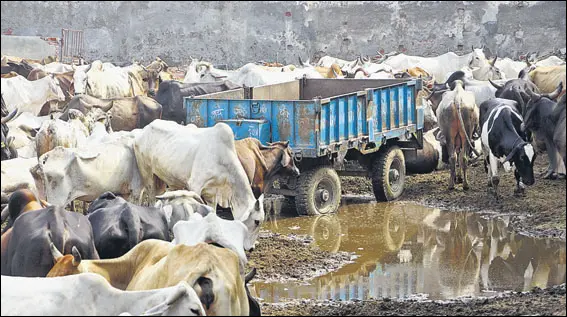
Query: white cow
(31, 96)
(66, 174)
(230, 234)
(55, 67)
(89, 294)
(202, 160)
(437, 66)
(16, 174)
(181, 205)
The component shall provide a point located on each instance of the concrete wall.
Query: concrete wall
(234, 33)
(27, 46)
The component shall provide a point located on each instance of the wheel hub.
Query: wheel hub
(324, 195)
(394, 175)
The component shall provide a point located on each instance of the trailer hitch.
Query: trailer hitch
(298, 156)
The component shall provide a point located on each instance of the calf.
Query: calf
(91, 295)
(458, 119)
(263, 162)
(504, 143)
(28, 251)
(118, 225)
(539, 119)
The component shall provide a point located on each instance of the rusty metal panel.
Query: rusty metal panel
(72, 45)
(227, 94)
(283, 91)
(329, 88)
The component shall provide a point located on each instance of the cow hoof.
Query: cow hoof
(560, 176)
(466, 187)
(459, 180)
(549, 175)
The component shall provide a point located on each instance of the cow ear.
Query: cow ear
(76, 256)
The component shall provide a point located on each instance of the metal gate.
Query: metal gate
(71, 46)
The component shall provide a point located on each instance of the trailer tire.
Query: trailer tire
(388, 174)
(319, 192)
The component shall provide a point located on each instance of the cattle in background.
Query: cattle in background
(9, 75)
(65, 174)
(539, 119)
(212, 271)
(28, 251)
(202, 160)
(65, 82)
(31, 96)
(181, 205)
(16, 174)
(504, 143)
(72, 134)
(128, 113)
(262, 162)
(92, 295)
(330, 72)
(547, 78)
(21, 68)
(171, 93)
(458, 120)
(24, 128)
(483, 69)
(118, 225)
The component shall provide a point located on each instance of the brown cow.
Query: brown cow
(262, 162)
(128, 113)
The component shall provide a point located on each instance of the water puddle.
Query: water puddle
(407, 250)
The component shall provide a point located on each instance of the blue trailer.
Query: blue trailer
(355, 127)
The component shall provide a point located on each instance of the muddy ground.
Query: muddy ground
(548, 302)
(286, 258)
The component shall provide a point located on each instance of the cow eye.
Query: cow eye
(195, 311)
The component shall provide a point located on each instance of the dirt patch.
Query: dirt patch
(548, 302)
(285, 258)
(541, 212)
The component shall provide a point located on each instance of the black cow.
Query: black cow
(22, 69)
(171, 93)
(118, 225)
(519, 90)
(28, 252)
(504, 142)
(539, 118)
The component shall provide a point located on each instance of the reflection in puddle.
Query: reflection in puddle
(409, 249)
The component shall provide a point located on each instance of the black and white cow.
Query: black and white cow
(504, 143)
(539, 118)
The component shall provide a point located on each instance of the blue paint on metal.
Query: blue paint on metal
(316, 128)
(259, 129)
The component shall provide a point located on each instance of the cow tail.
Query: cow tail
(464, 129)
(207, 295)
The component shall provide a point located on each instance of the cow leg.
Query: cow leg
(493, 175)
(464, 160)
(452, 166)
(551, 172)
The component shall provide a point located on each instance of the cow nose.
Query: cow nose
(152, 92)
(257, 222)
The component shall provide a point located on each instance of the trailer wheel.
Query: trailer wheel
(388, 174)
(319, 192)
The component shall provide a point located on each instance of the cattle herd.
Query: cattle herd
(150, 241)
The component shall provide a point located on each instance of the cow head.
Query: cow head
(523, 156)
(64, 264)
(532, 117)
(287, 162)
(80, 80)
(477, 58)
(254, 218)
(55, 92)
(51, 175)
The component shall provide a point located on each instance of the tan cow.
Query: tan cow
(152, 264)
(330, 72)
(546, 78)
(262, 162)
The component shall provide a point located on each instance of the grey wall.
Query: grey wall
(234, 33)
(26, 46)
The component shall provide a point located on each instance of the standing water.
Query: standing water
(407, 250)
